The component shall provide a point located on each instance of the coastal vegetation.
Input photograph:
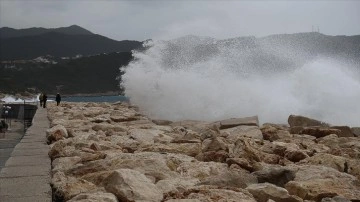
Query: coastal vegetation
(91, 75)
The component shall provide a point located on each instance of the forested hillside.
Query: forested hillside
(95, 74)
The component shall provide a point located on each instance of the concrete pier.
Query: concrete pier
(26, 173)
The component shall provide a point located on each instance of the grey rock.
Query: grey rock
(356, 131)
(345, 131)
(335, 199)
(131, 185)
(278, 176)
(233, 122)
(94, 197)
(162, 122)
(296, 120)
(265, 191)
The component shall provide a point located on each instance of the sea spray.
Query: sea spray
(201, 78)
(14, 99)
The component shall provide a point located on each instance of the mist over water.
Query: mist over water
(200, 78)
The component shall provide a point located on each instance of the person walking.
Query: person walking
(44, 100)
(41, 99)
(58, 99)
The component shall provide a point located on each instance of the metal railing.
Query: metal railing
(20, 111)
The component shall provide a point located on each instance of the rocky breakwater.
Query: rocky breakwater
(111, 152)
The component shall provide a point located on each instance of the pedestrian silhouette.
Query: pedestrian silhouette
(44, 99)
(58, 99)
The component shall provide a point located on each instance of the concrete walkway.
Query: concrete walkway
(26, 175)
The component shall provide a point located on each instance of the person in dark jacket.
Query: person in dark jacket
(58, 99)
(41, 98)
(44, 100)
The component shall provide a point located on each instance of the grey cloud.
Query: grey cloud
(142, 20)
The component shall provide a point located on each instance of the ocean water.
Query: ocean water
(200, 78)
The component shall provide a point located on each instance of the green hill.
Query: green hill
(95, 74)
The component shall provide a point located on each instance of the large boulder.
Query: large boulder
(244, 164)
(310, 143)
(100, 119)
(335, 199)
(66, 187)
(122, 118)
(232, 178)
(243, 131)
(233, 122)
(94, 197)
(196, 126)
(290, 151)
(131, 185)
(108, 127)
(320, 132)
(182, 135)
(217, 156)
(339, 163)
(276, 175)
(246, 148)
(162, 122)
(206, 193)
(176, 184)
(316, 182)
(280, 148)
(250, 149)
(152, 166)
(61, 149)
(265, 191)
(348, 147)
(214, 144)
(296, 120)
(345, 131)
(271, 132)
(56, 133)
(64, 163)
(356, 131)
(144, 136)
(190, 149)
(201, 170)
(320, 188)
(295, 155)
(92, 112)
(96, 178)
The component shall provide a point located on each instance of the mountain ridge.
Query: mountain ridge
(59, 42)
(8, 32)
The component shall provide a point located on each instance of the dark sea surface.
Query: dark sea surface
(108, 98)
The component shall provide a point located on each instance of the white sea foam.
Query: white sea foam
(214, 84)
(14, 99)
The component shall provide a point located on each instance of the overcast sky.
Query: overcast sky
(145, 19)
